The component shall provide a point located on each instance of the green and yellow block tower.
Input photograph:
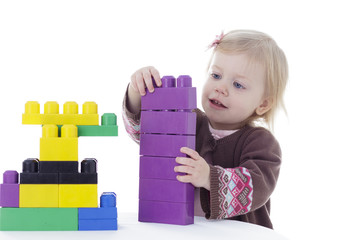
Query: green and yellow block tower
(51, 194)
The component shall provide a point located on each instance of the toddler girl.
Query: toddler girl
(236, 163)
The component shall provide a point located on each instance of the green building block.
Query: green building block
(107, 128)
(38, 219)
(97, 131)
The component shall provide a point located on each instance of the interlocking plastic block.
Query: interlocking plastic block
(168, 122)
(51, 114)
(31, 175)
(165, 190)
(166, 212)
(78, 178)
(98, 213)
(97, 224)
(107, 208)
(9, 190)
(39, 178)
(108, 127)
(38, 219)
(39, 195)
(170, 97)
(103, 218)
(54, 148)
(165, 145)
(78, 195)
(58, 166)
(88, 174)
(158, 168)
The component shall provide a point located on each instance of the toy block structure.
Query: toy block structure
(167, 124)
(50, 191)
(103, 218)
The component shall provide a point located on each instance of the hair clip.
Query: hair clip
(217, 40)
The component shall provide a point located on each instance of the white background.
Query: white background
(87, 50)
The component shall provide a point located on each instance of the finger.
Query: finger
(184, 169)
(134, 86)
(148, 81)
(185, 161)
(184, 179)
(140, 84)
(155, 73)
(190, 152)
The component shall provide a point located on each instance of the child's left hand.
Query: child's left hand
(196, 168)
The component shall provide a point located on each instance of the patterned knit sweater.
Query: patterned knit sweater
(244, 169)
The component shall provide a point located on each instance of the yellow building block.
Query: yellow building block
(39, 196)
(78, 196)
(54, 148)
(51, 114)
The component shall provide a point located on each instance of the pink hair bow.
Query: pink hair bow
(217, 40)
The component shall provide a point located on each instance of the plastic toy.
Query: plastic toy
(167, 124)
(52, 191)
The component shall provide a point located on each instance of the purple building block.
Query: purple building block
(9, 190)
(165, 145)
(158, 168)
(166, 212)
(166, 190)
(169, 97)
(183, 123)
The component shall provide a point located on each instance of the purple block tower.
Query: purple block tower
(167, 124)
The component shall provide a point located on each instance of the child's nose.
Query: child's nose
(222, 90)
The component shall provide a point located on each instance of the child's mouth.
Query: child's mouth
(216, 104)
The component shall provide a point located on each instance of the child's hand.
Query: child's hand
(196, 168)
(142, 79)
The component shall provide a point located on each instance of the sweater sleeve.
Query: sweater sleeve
(247, 187)
(131, 120)
(231, 192)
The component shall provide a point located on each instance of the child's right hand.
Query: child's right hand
(143, 78)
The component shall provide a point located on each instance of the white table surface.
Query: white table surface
(130, 228)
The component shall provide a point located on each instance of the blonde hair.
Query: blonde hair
(262, 49)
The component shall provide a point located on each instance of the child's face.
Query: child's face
(233, 91)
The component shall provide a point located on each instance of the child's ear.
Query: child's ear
(265, 106)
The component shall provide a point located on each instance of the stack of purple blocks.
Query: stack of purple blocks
(167, 124)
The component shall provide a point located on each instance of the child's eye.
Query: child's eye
(238, 85)
(215, 76)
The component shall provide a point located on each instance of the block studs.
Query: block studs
(69, 131)
(32, 107)
(90, 108)
(89, 165)
(11, 177)
(50, 131)
(31, 165)
(51, 107)
(71, 108)
(168, 81)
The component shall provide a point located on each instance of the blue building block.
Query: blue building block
(97, 224)
(103, 218)
(97, 213)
